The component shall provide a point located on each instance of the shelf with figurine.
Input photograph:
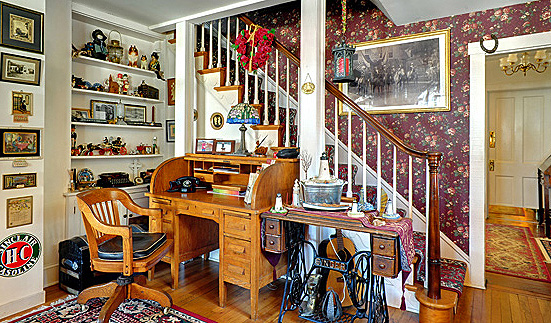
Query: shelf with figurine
(108, 64)
(111, 147)
(117, 156)
(150, 126)
(115, 95)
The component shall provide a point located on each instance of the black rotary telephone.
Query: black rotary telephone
(186, 184)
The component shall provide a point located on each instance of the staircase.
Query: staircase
(278, 110)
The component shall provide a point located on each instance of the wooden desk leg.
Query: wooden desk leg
(254, 301)
(222, 289)
(222, 292)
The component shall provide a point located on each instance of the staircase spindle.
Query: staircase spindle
(266, 107)
(210, 46)
(276, 122)
(228, 43)
(410, 187)
(427, 215)
(256, 101)
(349, 163)
(395, 174)
(364, 160)
(287, 114)
(219, 54)
(203, 38)
(336, 143)
(379, 194)
(236, 82)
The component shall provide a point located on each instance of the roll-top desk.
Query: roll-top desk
(201, 222)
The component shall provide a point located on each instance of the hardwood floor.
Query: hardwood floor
(506, 299)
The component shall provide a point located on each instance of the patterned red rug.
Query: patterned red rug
(513, 251)
(130, 311)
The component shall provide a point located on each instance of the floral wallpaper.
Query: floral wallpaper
(446, 132)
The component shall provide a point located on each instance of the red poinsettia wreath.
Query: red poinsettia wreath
(256, 37)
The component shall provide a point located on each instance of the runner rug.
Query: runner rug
(545, 247)
(130, 311)
(513, 251)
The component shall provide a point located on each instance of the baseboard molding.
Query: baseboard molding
(51, 275)
(18, 305)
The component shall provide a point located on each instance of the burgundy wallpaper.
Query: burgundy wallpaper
(447, 132)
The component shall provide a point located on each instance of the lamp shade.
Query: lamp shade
(243, 113)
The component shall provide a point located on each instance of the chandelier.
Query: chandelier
(510, 64)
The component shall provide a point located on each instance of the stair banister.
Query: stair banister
(433, 159)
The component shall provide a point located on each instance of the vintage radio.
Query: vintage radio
(115, 179)
(147, 91)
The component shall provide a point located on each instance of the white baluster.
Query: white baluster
(364, 160)
(287, 116)
(219, 60)
(228, 45)
(266, 120)
(410, 187)
(276, 122)
(255, 100)
(210, 46)
(203, 38)
(349, 163)
(246, 71)
(336, 158)
(379, 194)
(394, 184)
(236, 82)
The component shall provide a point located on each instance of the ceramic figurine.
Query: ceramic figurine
(113, 87)
(125, 84)
(296, 194)
(155, 65)
(278, 207)
(143, 62)
(120, 82)
(99, 49)
(133, 56)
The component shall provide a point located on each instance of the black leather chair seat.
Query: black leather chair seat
(143, 245)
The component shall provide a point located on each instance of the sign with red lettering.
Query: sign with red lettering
(18, 254)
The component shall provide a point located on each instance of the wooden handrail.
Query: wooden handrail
(433, 159)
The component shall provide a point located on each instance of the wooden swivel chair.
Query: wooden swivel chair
(116, 249)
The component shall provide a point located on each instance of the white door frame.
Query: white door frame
(478, 198)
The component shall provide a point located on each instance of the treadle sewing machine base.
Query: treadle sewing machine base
(367, 291)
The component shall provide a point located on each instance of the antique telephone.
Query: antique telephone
(186, 184)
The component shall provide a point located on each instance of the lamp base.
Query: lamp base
(242, 151)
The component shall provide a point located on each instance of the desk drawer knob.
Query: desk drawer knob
(382, 266)
(272, 242)
(272, 226)
(382, 247)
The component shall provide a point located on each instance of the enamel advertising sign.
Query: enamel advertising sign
(18, 254)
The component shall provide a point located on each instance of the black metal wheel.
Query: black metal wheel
(295, 292)
(359, 279)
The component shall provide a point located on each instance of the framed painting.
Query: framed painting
(21, 103)
(134, 113)
(224, 147)
(20, 69)
(19, 211)
(171, 87)
(13, 181)
(170, 130)
(204, 146)
(20, 142)
(402, 74)
(21, 28)
(103, 110)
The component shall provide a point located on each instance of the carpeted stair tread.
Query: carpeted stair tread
(452, 272)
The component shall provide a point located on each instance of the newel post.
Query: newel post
(434, 228)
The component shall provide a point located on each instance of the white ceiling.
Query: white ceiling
(164, 12)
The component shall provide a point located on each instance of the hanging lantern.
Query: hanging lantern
(343, 54)
(114, 49)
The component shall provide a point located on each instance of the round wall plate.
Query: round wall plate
(217, 121)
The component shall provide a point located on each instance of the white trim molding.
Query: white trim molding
(478, 198)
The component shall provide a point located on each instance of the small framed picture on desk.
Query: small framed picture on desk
(204, 146)
(224, 147)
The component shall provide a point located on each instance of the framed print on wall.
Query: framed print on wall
(79, 114)
(403, 74)
(20, 142)
(21, 103)
(170, 130)
(13, 181)
(19, 211)
(134, 113)
(171, 91)
(21, 28)
(103, 110)
(20, 69)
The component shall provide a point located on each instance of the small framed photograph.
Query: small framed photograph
(14, 181)
(170, 130)
(171, 86)
(103, 110)
(21, 103)
(20, 69)
(19, 211)
(224, 147)
(80, 113)
(204, 146)
(20, 143)
(22, 28)
(134, 112)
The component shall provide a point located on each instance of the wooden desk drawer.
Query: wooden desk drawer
(183, 207)
(205, 210)
(384, 266)
(237, 272)
(238, 226)
(384, 246)
(204, 177)
(273, 227)
(237, 248)
(275, 243)
(156, 202)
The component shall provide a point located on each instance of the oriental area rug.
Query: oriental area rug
(513, 251)
(130, 311)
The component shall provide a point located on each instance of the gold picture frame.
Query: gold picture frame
(22, 103)
(402, 74)
(19, 211)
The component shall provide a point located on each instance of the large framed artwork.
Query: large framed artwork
(103, 110)
(20, 69)
(19, 211)
(21, 28)
(402, 74)
(20, 142)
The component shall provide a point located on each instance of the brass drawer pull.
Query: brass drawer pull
(272, 226)
(272, 242)
(382, 266)
(382, 247)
